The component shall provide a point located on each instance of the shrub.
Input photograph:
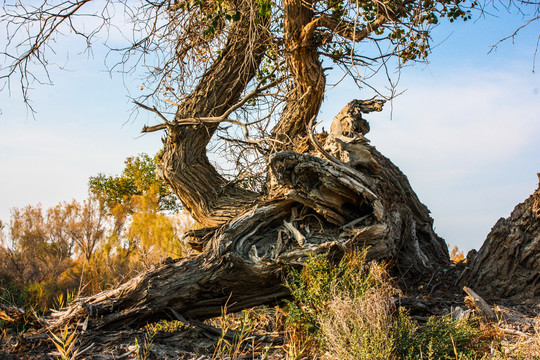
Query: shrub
(319, 281)
(440, 338)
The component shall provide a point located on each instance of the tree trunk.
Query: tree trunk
(210, 198)
(306, 69)
(507, 266)
(314, 206)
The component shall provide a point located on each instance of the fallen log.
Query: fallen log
(475, 301)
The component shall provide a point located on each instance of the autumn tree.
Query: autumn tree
(36, 253)
(140, 205)
(251, 74)
(40, 248)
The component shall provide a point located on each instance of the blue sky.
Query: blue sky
(465, 131)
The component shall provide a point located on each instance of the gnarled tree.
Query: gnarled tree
(254, 77)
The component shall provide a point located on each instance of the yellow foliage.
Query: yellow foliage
(154, 234)
(456, 255)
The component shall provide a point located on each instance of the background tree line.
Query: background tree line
(127, 223)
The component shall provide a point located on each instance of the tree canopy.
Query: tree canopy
(174, 42)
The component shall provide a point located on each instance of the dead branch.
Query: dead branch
(479, 304)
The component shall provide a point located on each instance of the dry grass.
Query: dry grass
(359, 328)
(248, 334)
(345, 311)
(518, 346)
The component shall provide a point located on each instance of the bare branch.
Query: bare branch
(313, 139)
(149, 129)
(210, 119)
(349, 30)
(514, 34)
(33, 29)
(154, 110)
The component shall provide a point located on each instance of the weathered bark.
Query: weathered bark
(314, 206)
(507, 266)
(210, 198)
(414, 244)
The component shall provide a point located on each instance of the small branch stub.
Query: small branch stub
(474, 300)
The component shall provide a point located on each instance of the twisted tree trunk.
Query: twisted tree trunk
(306, 69)
(209, 197)
(332, 197)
